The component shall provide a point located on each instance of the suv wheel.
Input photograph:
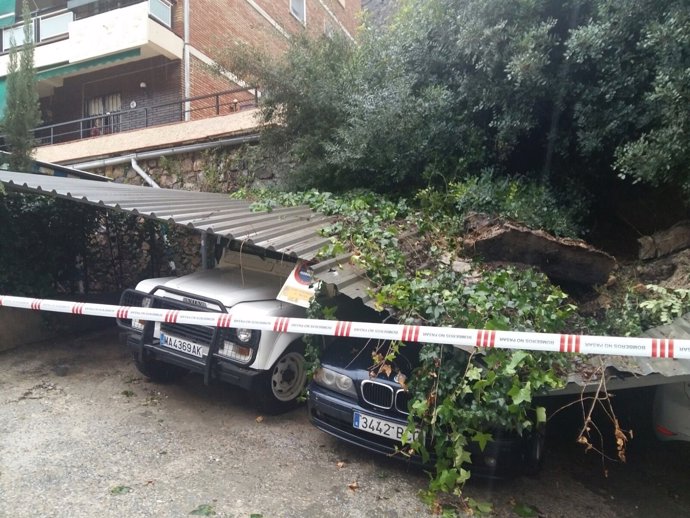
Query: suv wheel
(159, 371)
(280, 387)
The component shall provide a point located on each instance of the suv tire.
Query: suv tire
(278, 389)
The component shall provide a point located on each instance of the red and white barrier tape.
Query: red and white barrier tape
(610, 345)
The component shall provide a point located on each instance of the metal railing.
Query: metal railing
(201, 107)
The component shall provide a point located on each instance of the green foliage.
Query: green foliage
(315, 344)
(120, 490)
(663, 305)
(41, 239)
(203, 510)
(579, 93)
(458, 398)
(639, 308)
(302, 97)
(633, 88)
(517, 199)
(22, 112)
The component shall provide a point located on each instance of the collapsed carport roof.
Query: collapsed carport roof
(293, 231)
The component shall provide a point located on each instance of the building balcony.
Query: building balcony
(210, 117)
(92, 35)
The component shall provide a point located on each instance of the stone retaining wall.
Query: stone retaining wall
(213, 170)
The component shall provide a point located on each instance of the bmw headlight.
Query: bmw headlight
(335, 381)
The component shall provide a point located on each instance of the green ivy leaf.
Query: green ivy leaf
(204, 510)
(478, 507)
(120, 490)
(525, 511)
(515, 361)
(482, 439)
(521, 394)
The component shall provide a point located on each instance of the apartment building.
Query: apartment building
(110, 66)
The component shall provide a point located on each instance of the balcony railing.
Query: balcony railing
(221, 103)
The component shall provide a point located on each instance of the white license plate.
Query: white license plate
(184, 346)
(378, 426)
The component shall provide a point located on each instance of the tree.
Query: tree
(22, 113)
(582, 93)
(660, 154)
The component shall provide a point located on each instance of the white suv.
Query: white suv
(268, 364)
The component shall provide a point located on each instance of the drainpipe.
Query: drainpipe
(187, 80)
(157, 153)
(143, 174)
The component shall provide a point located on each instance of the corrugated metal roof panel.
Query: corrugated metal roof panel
(294, 231)
(630, 371)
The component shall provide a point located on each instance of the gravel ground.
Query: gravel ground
(82, 434)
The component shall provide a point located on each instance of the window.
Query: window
(299, 10)
(86, 8)
(161, 10)
(109, 107)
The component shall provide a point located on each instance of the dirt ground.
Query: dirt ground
(82, 434)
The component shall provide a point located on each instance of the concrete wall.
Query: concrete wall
(20, 327)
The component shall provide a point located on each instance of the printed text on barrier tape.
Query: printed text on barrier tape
(465, 338)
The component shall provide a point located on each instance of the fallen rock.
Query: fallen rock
(561, 259)
(666, 241)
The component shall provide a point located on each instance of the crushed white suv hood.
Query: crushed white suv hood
(228, 285)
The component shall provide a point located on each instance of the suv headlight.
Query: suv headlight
(244, 336)
(335, 381)
(239, 345)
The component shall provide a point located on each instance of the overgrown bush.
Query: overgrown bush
(40, 239)
(457, 398)
(520, 199)
(577, 93)
(460, 398)
(639, 308)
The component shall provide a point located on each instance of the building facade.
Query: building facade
(109, 66)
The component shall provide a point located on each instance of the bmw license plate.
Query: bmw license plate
(378, 426)
(184, 346)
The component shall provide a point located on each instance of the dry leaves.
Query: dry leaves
(386, 369)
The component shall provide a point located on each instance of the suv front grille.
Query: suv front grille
(197, 334)
(377, 394)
